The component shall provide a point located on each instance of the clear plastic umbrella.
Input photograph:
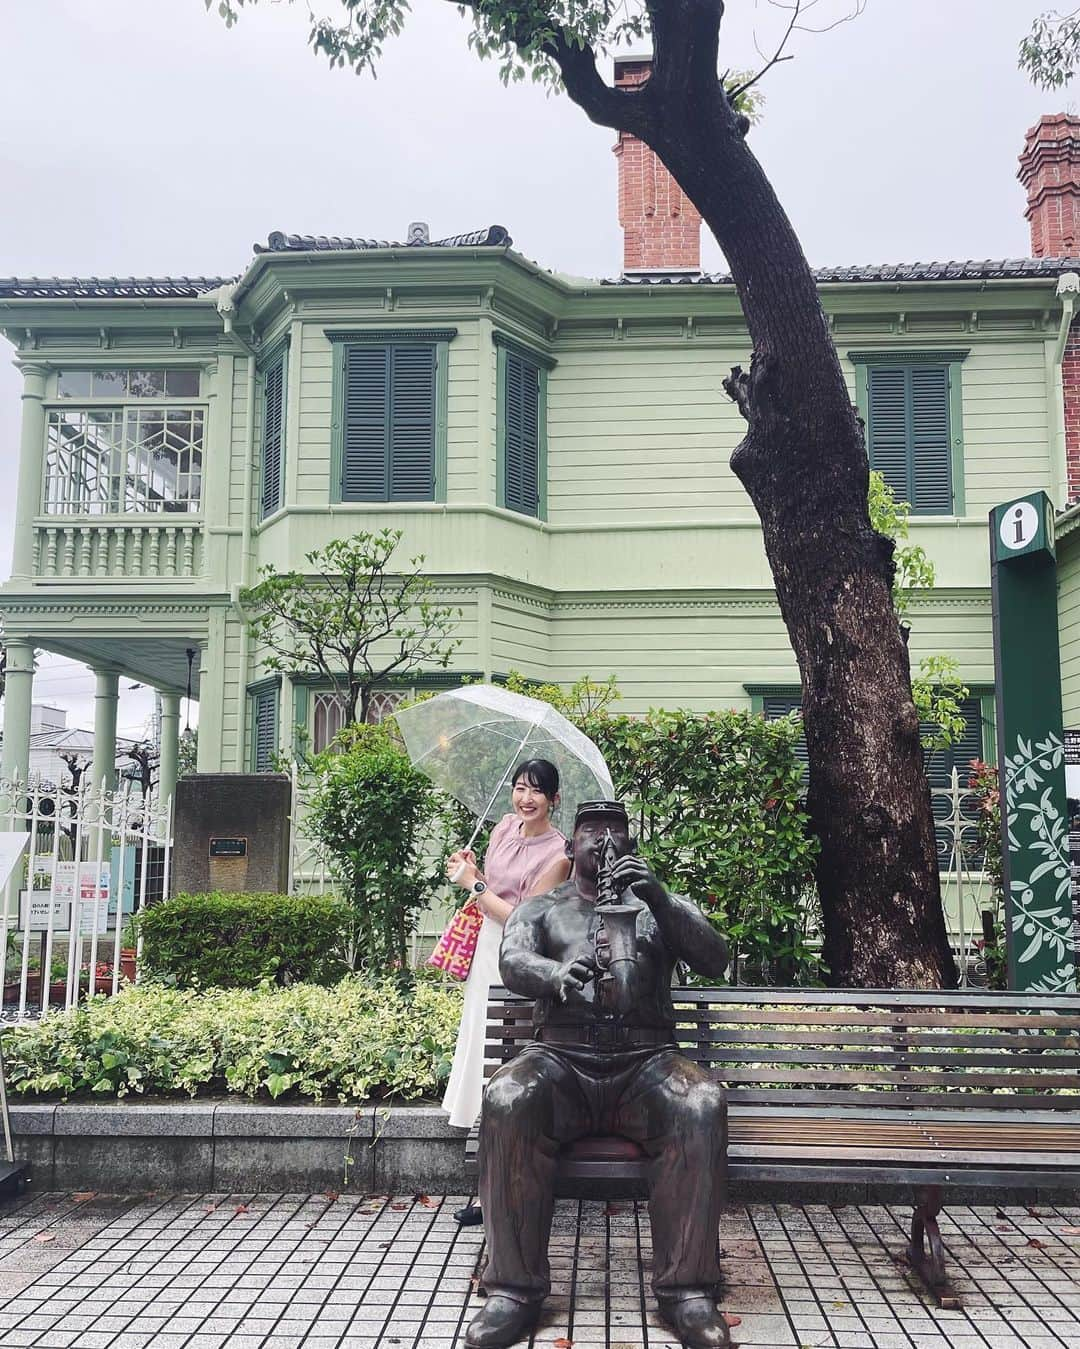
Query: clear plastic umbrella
(469, 740)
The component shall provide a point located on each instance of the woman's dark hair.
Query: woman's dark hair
(538, 773)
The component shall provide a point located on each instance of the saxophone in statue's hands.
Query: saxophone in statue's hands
(615, 938)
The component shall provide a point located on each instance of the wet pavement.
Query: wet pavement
(290, 1271)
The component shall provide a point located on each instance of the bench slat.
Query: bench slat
(899, 1099)
(897, 1077)
(949, 1156)
(764, 1016)
(971, 1055)
(869, 997)
(960, 1061)
(1013, 1137)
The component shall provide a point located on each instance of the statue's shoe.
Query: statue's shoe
(698, 1322)
(501, 1323)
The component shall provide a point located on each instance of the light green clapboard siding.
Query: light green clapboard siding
(520, 637)
(1069, 628)
(701, 656)
(238, 440)
(639, 434)
(1005, 423)
(698, 657)
(462, 465)
(233, 723)
(961, 629)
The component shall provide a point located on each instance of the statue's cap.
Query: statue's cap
(611, 810)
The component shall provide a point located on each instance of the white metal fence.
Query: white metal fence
(94, 858)
(965, 885)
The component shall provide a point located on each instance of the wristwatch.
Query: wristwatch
(478, 888)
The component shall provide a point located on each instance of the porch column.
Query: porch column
(18, 700)
(106, 697)
(210, 758)
(170, 745)
(31, 460)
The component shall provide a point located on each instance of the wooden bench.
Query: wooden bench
(935, 1090)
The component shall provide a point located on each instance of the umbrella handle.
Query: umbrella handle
(498, 789)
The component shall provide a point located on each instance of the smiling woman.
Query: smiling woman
(526, 856)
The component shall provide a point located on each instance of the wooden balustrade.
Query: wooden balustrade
(93, 550)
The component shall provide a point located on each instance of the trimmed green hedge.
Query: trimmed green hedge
(237, 941)
(357, 1041)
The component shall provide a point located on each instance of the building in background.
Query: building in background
(556, 448)
(56, 748)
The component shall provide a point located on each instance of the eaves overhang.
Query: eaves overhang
(315, 272)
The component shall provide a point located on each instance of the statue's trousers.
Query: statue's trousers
(553, 1094)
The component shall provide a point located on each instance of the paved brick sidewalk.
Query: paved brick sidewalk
(321, 1272)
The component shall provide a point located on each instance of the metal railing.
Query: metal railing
(94, 858)
(957, 811)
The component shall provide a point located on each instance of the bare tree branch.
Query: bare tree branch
(777, 57)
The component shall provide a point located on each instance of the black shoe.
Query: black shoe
(698, 1322)
(503, 1322)
(470, 1216)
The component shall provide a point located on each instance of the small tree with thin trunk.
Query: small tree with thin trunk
(351, 619)
(802, 461)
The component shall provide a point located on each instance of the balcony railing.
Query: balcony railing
(97, 550)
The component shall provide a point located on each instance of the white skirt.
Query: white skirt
(465, 1090)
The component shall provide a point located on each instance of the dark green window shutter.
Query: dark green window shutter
(366, 405)
(272, 437)
(522, 435)
(388, 448)
(412, 423)
(908, 434)
(266, 731)
(777, 705)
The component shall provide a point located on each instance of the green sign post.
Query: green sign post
(1031, 758)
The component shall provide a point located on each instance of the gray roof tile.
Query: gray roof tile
(494, 236)
(987, 270)
(108, 287)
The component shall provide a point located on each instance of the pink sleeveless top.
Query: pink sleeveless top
(513, 863)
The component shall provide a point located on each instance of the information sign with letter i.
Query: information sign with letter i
(1031, 756)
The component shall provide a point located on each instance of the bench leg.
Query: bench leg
(930, 1264)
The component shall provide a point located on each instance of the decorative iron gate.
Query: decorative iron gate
(94, 859)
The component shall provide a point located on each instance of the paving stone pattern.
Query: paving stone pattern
(343, 1272)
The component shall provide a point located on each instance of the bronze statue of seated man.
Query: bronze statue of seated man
(597, 955)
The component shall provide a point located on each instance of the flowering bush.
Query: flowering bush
(359, 1040)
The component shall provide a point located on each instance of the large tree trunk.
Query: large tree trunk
(804, 465)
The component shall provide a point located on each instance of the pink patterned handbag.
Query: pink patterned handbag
(454, 950)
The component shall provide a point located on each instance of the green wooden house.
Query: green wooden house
(557, 448)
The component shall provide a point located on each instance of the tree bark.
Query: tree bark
(804, 464)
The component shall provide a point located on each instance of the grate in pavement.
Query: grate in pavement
(327, 1272)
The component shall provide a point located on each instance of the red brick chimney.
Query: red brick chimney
(661, 228)
(1050, 172)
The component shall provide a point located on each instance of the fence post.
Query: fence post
(294, 811)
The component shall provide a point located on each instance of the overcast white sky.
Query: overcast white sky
(140, 137)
